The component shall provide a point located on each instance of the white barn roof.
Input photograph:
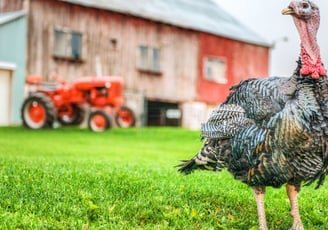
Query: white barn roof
(200, 15)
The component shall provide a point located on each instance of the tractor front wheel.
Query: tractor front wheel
(38, 111)
(98, 121)
(125, 117)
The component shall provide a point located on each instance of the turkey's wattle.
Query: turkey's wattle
(314, 69)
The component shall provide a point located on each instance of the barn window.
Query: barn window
(68, 44)
(149, 58)
(215, 70)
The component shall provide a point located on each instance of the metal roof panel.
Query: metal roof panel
(205, 15)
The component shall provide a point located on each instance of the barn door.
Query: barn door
(163, 114)
(5, 97)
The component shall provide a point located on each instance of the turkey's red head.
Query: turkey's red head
(306, 16)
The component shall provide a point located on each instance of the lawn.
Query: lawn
(70, 178)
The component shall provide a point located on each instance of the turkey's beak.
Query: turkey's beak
(287, 11)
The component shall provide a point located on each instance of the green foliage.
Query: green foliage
(125, 179)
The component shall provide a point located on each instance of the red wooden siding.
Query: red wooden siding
(243, 61)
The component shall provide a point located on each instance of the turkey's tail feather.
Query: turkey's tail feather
(321, 177)
(208, 158)
(187, 166)
(204, 159)
(223, 124)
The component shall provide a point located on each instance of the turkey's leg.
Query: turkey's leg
(292, 192)
(259, 197)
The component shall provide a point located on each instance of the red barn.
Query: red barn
(178, 57)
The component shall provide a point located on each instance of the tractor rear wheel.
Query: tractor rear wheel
(38, 111)
(99, 121)
(125, 117)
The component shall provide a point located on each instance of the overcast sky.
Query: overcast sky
(264, 17)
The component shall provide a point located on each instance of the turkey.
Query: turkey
(274, 131)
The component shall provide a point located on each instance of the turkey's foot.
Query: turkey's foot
(297, 226)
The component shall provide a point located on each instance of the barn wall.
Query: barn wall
(179, 49)
(179, 62)
(243, 61)
(11, 5)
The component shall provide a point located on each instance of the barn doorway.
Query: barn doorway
(5, 96)
(163, 114)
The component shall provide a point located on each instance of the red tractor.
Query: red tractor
(100, 98)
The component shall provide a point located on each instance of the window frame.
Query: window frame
(67, 44)
(221, 71)
(149, 59)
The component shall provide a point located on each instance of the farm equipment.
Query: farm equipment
(99, 100)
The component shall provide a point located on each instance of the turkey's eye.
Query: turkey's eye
(305, 5)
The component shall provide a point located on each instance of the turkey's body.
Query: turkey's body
(283, 136)
(289, 147)
(274, 131)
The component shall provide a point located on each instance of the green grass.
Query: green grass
(71, 178)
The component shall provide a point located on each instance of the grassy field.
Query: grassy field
(125, 179)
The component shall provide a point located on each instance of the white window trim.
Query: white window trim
(219, 80)
(66, 56)
(150, 59)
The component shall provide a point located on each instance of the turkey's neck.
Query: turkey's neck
(308, 35)
(310, 51)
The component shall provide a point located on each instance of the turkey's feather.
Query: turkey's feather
(225, 122)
